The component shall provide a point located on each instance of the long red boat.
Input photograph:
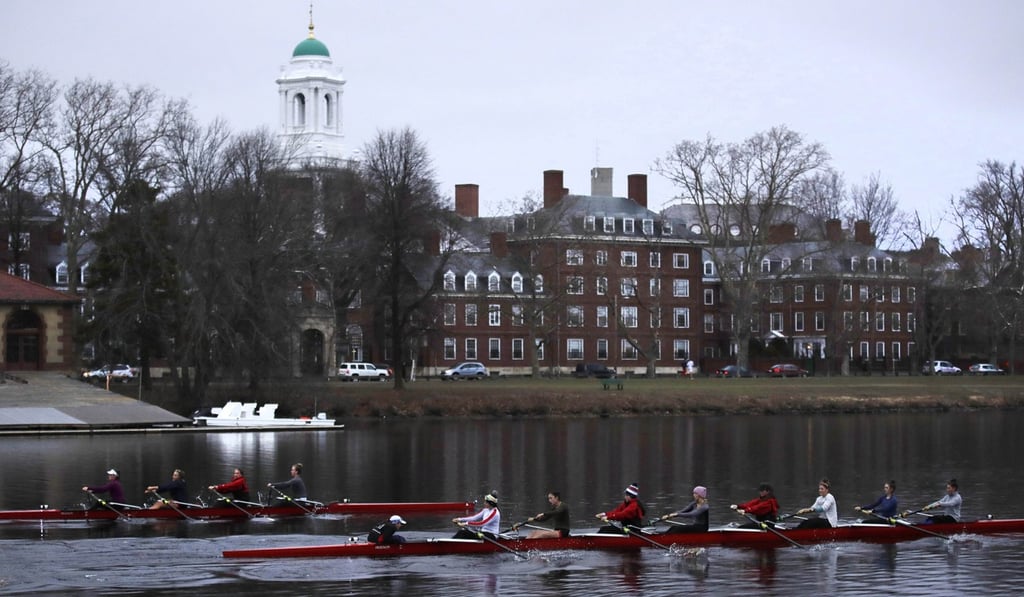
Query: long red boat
(724, 537)
(236, 511)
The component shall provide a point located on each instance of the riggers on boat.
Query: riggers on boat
(724, 537)
(232, 510)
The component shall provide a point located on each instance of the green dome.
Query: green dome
(311, 47)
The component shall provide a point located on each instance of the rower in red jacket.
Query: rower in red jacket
(237, 486)
(764, 508)
(630, 513)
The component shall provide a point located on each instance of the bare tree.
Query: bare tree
(875, 202)
(821, 195)
(741, 190)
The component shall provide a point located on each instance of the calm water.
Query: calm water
(590, 461)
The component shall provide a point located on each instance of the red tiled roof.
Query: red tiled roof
(16, 290)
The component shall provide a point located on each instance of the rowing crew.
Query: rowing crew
(762, 512)
(175, 492)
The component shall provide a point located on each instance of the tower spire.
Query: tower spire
(311, 36)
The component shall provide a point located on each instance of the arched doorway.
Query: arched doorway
(23, 335)
(312, 357)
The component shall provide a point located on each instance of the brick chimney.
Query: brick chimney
(833, 230)
(467, 200)
(553, 187)
(781, 233)
(636, 188)
(601, 182)
(862, 233)
(499, 244)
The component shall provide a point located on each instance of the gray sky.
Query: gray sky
(920, 91)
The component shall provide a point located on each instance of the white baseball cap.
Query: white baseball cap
(396, 519)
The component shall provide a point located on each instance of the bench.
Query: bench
(611, 381)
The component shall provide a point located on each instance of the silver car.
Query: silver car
(467, 370)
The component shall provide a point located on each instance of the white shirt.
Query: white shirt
(826, 504)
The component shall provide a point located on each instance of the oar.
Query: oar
(104, 503)
(170, 503)
(481, 535)
(636, 532)
(231, 502)
(289, 499)
(515, 526)
(767, 527)
(895, 521)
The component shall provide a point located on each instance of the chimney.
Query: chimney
(499, 244)
(833, 230)
(781, 233)
(553, 189)
(467, 200)
(636, 188)
(862, 233)
(601, 182)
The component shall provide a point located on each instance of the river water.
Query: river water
(590, 461)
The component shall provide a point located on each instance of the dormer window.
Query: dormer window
(666, 228)
(627, 225)
(517, 282)
(449, 280)
(493, 282)
(871, 264)
(470, 282)
(538, 283)
(609, 225)
(589, 223)
(854, 263)
(62, 274)
(648, 227)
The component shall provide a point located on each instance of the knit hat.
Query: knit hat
(633, 490)
(396, 519)
(701, 491)
(113, 471)
(492, 497)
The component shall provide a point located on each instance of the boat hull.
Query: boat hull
(730, 537)
(231, 512)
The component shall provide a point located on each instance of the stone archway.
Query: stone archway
(311, 360)
(23, 339)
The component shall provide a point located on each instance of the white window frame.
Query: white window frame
(609, 225)
(602, 316)
(627, 226)
(449, 281)
(471, 349)
(574, 349)
(469, 282)
(518, 349)
(493, 315)
(574, 257)
(681, 287)
(472, 314)
(681, 317)
(627, 259)
(449, 349)
(681, 261)
(449, 314)
(630, 316)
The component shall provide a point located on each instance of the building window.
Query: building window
(471, 349)
(655, 259)
(493, 282)
(766, 266)
(865, 293)
(847, 292)
(709, 268)
(854, 263)
(798, 321)
(470, 282)
(896, 322)
(574, 349)
(775, 322)
(911, 294)
(819, 321)
(655, 318)
(894, 293)
(880, 294)
(494, 349)
(449, 313)
(627, 225)
(602, 316)
(798, 293)
(627, 287)
(819, 292)
(601, 257)
(83, 273)
(539, 345)
(573, 257)
(574, 316)
(494, 315)
(895, 351)
(865, 350)
(879, 350)
(517, 349)
(517, 283)
(648, 227)
(911, 323)
(609, 225)
(666, 228)
(775, 293)
(879, 321)
(517, 315)
(655, 286)
(449, 281)
(682, 261)
(629, 317)
(629, 352)
(680, 349)
(470, 314)
(538, 283)
(848, 321)
(602, 349)
(681, 317)
(588, 223)
(574, 285)
(681, 287)
(709, 323)
(627, 259)
(602, 285)
(62, 274)
(449, 349)
(871, 264)
(807, 264)
(865, 321)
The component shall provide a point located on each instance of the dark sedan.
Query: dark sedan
(786, 370)
(734, 371)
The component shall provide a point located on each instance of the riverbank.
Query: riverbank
(524, 397)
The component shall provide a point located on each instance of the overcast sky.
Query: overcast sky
(919, 91)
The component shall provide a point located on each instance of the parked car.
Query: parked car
(940, 368)
(985, 369)
(120, 372)
(385, 367)
(467, 370)
(786, 370)
(361, 372)
(734, 371)
(593, 370)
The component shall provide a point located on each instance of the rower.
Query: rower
(764, 508)
(630, 513)
(825, 504)
(486, 521)
(558, 515)
(295, 485)
(697, 511)
(237, 486)
(175, 488)
(950, 504)
(112, 486)
(385, 531)
(885, 507)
